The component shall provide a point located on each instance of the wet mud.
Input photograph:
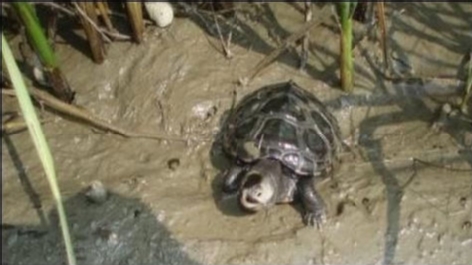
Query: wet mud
(401, 195)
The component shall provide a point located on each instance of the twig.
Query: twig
(163, 117)
(415, 172)
(306, 37)
(410, 180)
(84, 115)
(106, 19)
(116, 34)
(57, 6)
(192, 11)
(17, 125)
(383, 30)
(336, 18)
(416, 160)
(97, 28)
(320, 17)
(224, 44)
(110, 32)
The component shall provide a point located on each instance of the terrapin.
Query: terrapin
(281, 138)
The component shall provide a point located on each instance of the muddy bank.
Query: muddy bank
(383, 207)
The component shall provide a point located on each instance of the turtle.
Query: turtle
(280, 138)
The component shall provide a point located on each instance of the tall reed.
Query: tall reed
(39, 141)
(346, 11)
(38, 40)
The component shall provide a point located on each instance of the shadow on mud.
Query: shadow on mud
(434, 18)
(413, 107)
(26, 184)
(117, 231)
(226, 203)
(244, 35)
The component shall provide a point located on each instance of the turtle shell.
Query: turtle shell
(283, 122)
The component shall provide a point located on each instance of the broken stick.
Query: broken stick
(84, 115)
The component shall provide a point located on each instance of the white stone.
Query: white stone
(160, 12)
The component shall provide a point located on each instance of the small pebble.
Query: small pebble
(113, 239)
(468, 139)
(334, 185)
(466, 225)
(446, 108)
(442, 120)
(211, 112)
(173, 163)
(97, 192)
(340, 209)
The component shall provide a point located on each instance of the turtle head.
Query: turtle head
(259, 185)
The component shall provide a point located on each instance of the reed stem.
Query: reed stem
(346, 10)
(40, 143)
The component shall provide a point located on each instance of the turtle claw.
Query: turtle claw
(317, 218)
(315, 214)
(232, 178)
(230, 188)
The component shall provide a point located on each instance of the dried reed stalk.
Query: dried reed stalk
(135, 14)
(383, 31)
(88, 17)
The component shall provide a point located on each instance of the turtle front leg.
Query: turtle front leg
(232, 179)
(313, 203)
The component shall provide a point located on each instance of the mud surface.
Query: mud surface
(165, 204)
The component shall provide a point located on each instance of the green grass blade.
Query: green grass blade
(39, 140)
(36, 34)
(346, 9)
